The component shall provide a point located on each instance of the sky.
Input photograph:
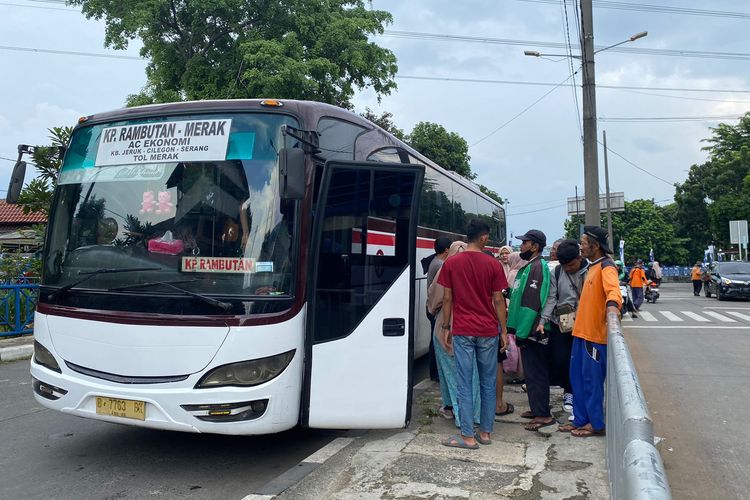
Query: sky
(524, 144)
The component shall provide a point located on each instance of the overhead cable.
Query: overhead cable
(551, 84)
(636, 166)
(702, 54)
(663, 9)
(523, 110)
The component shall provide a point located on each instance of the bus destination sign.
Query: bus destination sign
(189, 140)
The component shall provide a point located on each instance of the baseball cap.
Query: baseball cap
(600, 235)
(535, 236)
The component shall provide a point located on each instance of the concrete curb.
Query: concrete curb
(15, 353)
(296, 474)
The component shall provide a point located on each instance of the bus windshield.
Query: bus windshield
(185, 201)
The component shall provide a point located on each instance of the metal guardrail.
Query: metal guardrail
(17, 306)
(634, 465)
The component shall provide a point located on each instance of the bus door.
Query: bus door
(360, 326)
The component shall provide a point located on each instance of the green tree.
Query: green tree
(447, 149)
(36, 196)
(643, 225)
(232, 49)
(384, 121)
(717, 190)
(492, 194)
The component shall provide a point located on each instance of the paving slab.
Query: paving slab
(412, 464)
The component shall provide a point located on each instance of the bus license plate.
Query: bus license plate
(125, 408)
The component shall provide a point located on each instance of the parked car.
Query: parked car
(729, 279)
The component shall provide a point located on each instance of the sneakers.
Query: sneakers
(568, 402)
(571, 417)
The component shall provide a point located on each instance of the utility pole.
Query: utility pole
(590, 146)
(606, 184)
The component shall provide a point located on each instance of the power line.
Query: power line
(665, 119)
(569, 51)
(70, 53)
(602, 4)
(418, 77)
(663, 9)
(701, 54)
(523, 110)
(685, 98)
(551, 84)
(535, 211)
(39, 7)
(636, 166)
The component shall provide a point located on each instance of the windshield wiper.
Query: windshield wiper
(224, 306)
(91, 274)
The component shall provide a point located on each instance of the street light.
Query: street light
(590, 147)
(637, 36)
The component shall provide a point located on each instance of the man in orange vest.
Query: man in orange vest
(696, 275)
(600, 295)
(637, 282)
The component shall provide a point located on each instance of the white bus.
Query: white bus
(241, 267)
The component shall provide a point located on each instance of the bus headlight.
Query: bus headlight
(43, 357)
(247, 373)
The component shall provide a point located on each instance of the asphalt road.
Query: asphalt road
(693, 360)
(45, 454)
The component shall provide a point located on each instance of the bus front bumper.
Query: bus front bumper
(268, 408)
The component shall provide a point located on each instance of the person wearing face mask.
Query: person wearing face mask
(530, 291)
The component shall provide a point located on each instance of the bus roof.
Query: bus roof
(308, 111)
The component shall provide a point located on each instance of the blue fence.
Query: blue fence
(17, 306)
(676, 271)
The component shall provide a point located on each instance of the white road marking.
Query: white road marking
(647, 316)
(695, 316)
(720, 317)
(692, 327)
(671, 316)
(328, 450)
(735, 308)
(258, 497)
(739, 315)
(627, 317)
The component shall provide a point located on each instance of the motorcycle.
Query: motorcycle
(652, 292)
(627, 301)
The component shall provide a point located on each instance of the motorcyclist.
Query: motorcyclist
(620, 270)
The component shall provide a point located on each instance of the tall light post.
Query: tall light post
(590, 147)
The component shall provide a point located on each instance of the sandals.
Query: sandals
(445, 413)
(535, 425)
(457, 441)
(567, 428)
(509, 408)
(481, 440)
(527, 414)
(585, 432)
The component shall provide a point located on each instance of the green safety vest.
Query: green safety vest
(527, 298)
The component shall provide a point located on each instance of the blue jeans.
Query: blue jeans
(469, 350)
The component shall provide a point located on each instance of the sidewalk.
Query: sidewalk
(411, 463)
(15, 348)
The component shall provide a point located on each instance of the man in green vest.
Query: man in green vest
(527, 298)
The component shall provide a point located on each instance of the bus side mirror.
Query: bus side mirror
(16, 182)
(291, 173)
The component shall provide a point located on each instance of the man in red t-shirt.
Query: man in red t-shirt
(473, 312)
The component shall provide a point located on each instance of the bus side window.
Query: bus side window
(337, 138)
